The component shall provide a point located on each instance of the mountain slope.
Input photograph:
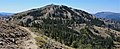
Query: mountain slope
(17, 37)
(72, 27)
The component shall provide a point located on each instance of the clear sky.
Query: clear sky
(91, 6)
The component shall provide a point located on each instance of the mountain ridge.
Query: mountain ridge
(108, 15)
(5, 14)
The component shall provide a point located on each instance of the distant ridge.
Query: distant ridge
(5, 14)
(108, 15)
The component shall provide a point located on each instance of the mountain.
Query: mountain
(60, 26)
(108, 15)
(5, 14)
(57, 12)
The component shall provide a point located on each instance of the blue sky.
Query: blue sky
(91, 6)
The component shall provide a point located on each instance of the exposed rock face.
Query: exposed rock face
(11, 36)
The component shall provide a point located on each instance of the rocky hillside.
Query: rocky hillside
(72, 27)
(12, 37)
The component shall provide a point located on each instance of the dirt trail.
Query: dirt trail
(30, 43)
(32, 33)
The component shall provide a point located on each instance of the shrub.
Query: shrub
(41, 41)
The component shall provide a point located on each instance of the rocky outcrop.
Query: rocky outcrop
(12, 37)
